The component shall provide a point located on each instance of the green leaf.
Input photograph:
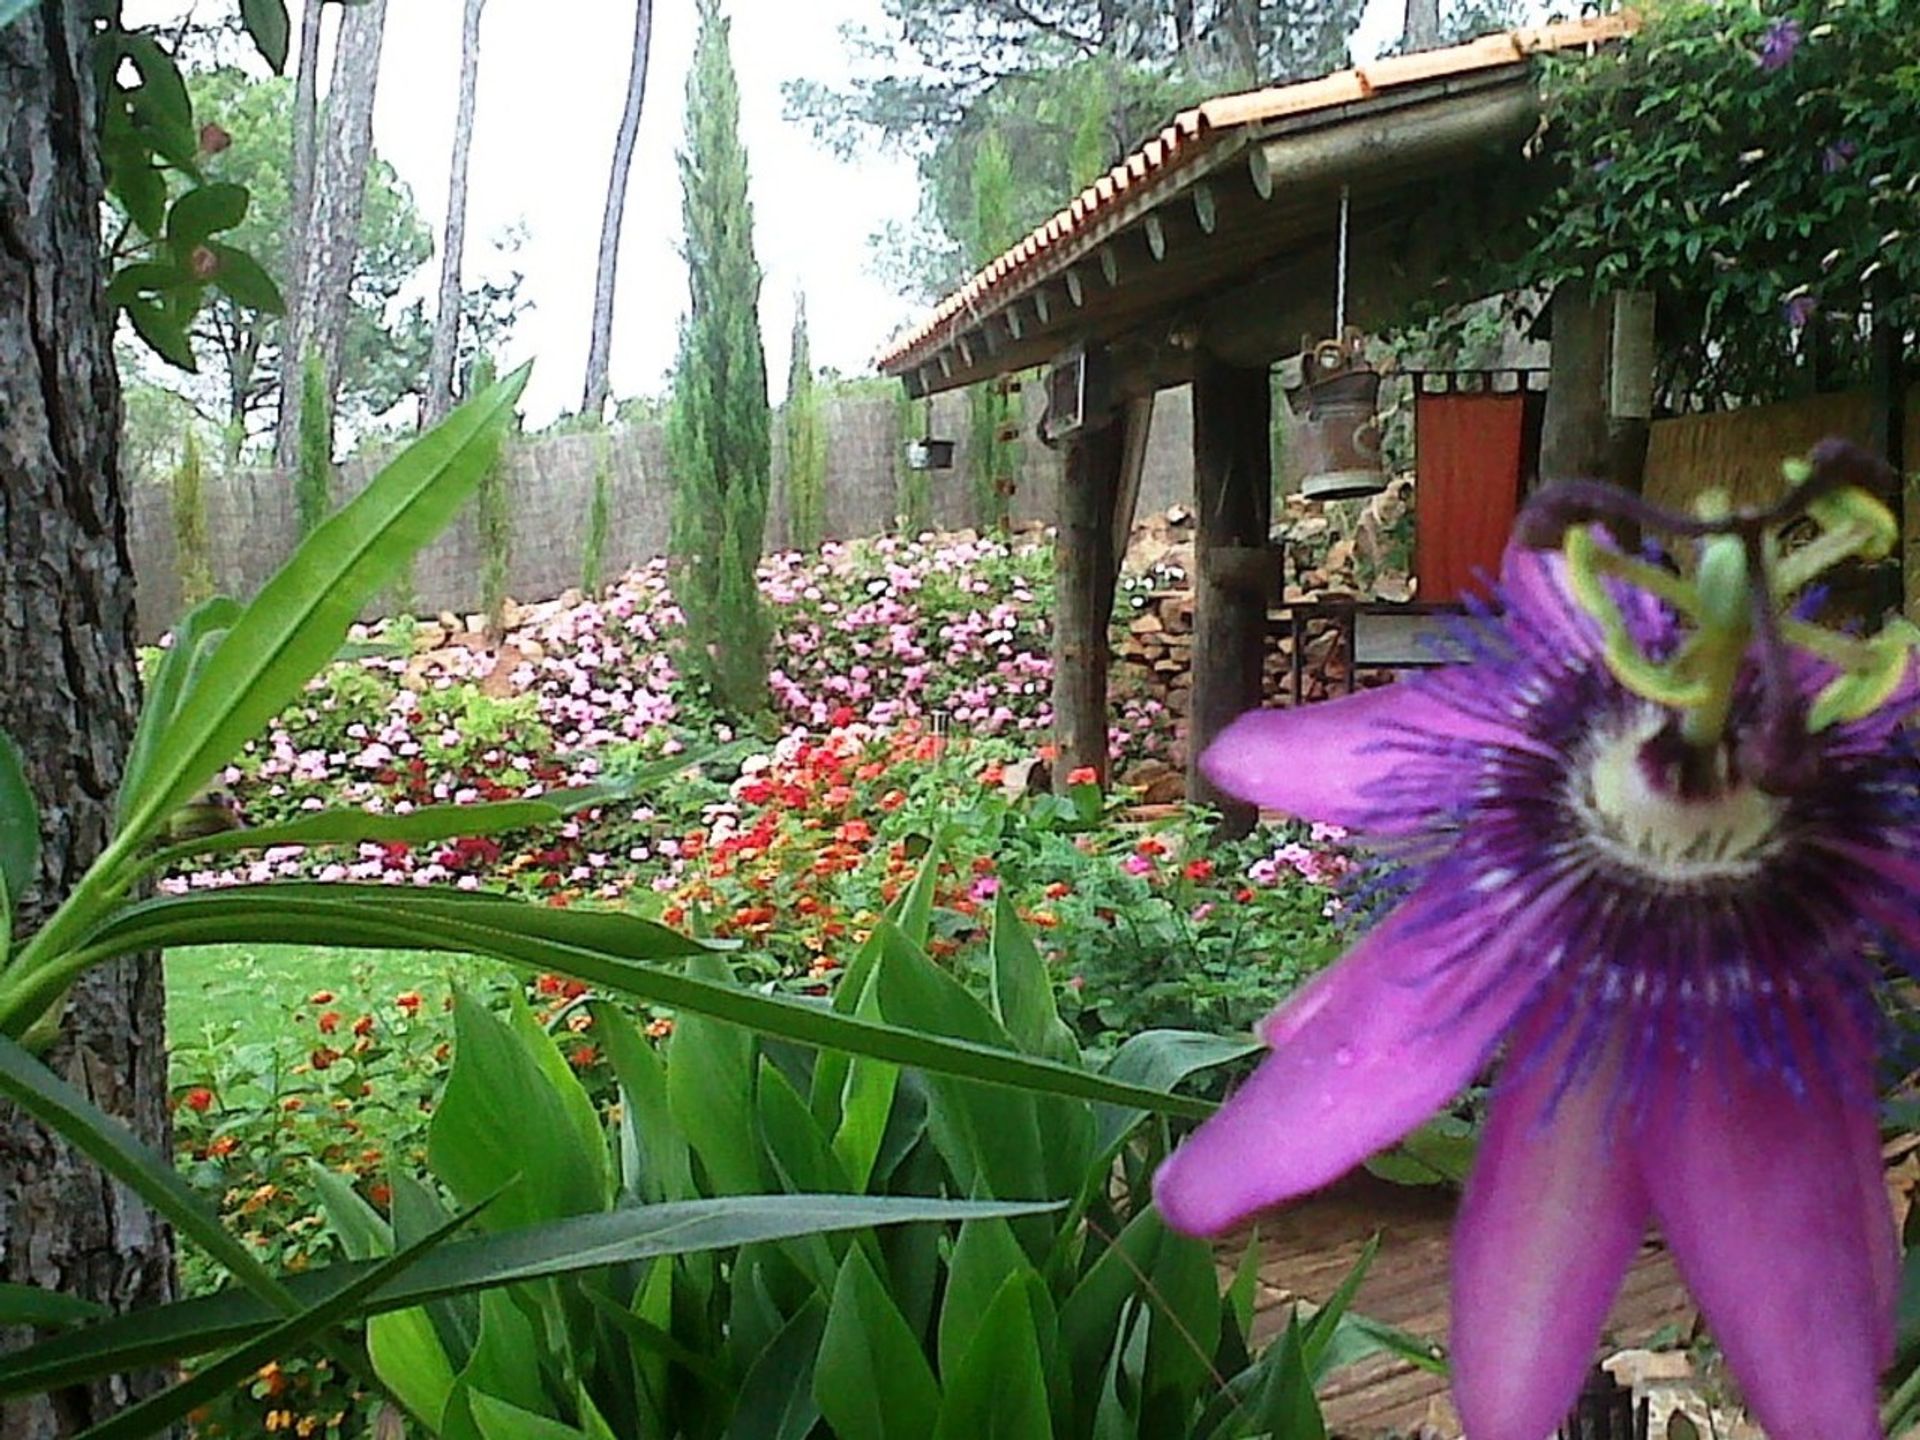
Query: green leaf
(30, 1305)
(246, 281)
(301, 615)
(984, 1257)
(591, 946)
(505, 1363)
(663, 1161)
(164, 332)
(194, 1327)
(1286, 1405)
(363, 1232)
(776, 1398)
(1319, 1330)
(19, 824)
(502, 1118)
(137, 183)
(203, 211)
(425, 826)
(998, 1391)
(1159, 1060)
(145, 278)
(161, 1411)
(412, 1363)
(1022, 992)
(870, 1379)
(500, 1421)
(194, 640)
(267, 23)
(1183, 1292)
(710, 1078)
(865, 1102)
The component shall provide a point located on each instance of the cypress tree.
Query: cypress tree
(193, 553)
(719, 433)
(995, 459)
(806, 444)
(313, 480)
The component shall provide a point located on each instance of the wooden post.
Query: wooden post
(1573, 440)
(1233, 507)
(1083, 575)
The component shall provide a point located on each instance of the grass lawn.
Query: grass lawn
(221, 995)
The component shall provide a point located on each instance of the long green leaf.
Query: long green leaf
(194, 639)
(301, 615)
(154, 1415)
(195, 1327)
(545, 939)
(19, 824)
(425, 826)
(30, 1305)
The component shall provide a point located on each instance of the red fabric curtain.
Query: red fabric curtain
(1467, 454)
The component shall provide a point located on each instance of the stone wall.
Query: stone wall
(250, 514)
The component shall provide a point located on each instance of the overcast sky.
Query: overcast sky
(552, 80)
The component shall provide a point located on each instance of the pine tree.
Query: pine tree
(719, 431)
(806, 444)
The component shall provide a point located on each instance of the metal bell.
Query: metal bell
(1334, 395)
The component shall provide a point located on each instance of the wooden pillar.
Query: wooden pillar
(1574, 443)
(1083, 577)
(1233, 508)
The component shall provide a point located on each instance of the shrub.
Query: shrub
(193, 555)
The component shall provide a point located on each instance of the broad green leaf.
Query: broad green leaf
(363, 1232)
(1159, 1060)
(195, 1327)
(19, 824)
(1286, 1405)
(505, 1364)
(164, 332)
(297, 621)
(1022, 991)
(502, 1123)
(984, 1257)
(998, 1391)
(411, 1362)
(710, 1076)
(652, 1337)
(538, 937)
(1090, 1319)
(865, 1103)
(267, 23)
(870, 1378)
(1183, 1293)
(30, 1305)
(194, 640)
(575, 1103)
(139, 185)
(665, 1168)
(161, 1411)
(243, 278)
(202, 211)
(144, 277)
(791, 1138)
(776, 1398)
(500, 1421)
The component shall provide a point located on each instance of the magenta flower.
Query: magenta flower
(1660, 920)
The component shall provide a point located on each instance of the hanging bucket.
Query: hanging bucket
(1334, 395)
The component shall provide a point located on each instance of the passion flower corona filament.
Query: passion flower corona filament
(1656, 833)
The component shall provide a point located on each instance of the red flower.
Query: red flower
(363, 1026)
(1150, 846)
(320, 997)
(1083, 775)
(1199, 870)
(841, 718)
(323, 1058)
(199, 1098)
(329, 1021)
(1058, 890)
(409, 1001)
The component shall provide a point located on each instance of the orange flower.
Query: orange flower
(329, 1021)
(1059, 889)
(660, 1029)
(994, 774)
(409, 1001)
(320, 997)
(1083, 775)
(893, 800)
(222, 1146)
(199, 1098)
(1045, 919)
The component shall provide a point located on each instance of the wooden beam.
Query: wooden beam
(965, 347)
(1422, 135)
(1016, 321)
(1233, 508)
(1083, 571)
(1043, 306)
(1110, 264)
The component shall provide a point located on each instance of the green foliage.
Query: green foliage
(1766, 205)
(914, 487)
(806, 439)
(593, 559)
(493, 512)
(719, 430)
(313, 481)
(193, 556)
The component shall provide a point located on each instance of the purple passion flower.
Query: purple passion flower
(1799, 311)
(1778, 44)
(1657, 897)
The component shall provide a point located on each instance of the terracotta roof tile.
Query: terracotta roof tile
(1193, 132)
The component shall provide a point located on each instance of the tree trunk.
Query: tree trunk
(306, 125)
(600, 351)
(333, 229)
(446, 325)
(67, 684)
(1422, 28)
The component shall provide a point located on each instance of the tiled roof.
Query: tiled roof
(1195, 133)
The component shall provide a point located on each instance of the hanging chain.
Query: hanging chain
(1340, 282)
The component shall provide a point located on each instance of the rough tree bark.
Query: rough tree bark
(446, 324)
(306, 127)
(600, 351)
(67, 683)
(319, 314)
